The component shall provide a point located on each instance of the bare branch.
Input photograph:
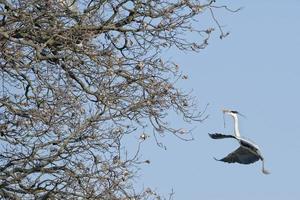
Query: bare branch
(76, 77)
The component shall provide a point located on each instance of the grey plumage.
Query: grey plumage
(246, 153)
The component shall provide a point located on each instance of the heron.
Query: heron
(247, 152)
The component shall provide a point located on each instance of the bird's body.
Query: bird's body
(246, 153)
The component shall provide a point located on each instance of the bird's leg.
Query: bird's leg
(263, 168)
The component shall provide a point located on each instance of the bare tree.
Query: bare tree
(76, 76)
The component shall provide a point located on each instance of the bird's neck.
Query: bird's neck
(236, 127)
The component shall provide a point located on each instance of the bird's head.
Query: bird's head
(232, 113)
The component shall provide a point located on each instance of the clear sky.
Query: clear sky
(255, 71)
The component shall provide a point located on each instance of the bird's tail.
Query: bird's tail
(263, 168)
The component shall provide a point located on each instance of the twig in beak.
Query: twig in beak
(224, 119)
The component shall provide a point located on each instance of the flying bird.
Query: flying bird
(247, 153)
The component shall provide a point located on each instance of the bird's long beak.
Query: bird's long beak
(225, 110)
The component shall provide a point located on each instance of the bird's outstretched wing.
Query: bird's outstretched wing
(240, 155)
(220, 136)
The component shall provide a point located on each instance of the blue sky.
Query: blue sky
(255, 71)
